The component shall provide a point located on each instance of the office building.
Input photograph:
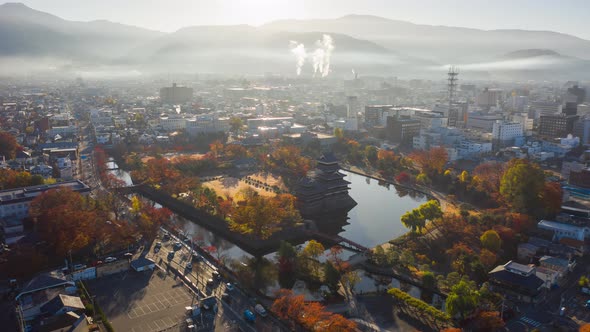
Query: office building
(506, 132)
(489, 97)
(557, 125)
(175, 94)
(402, 129)
(482, 122)
(376, 115)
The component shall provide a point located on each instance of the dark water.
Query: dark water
(376, 218)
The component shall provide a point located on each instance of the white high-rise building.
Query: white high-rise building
(506, 131)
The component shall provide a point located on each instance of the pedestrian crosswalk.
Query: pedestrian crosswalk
(531, 322)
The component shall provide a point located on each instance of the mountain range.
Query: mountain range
(37, 41)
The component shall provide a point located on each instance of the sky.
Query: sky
(566, 16)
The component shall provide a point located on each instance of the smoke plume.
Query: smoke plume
(300, 54)
(322, 55)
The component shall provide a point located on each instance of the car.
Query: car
(226, 298)
(79, 267)
(110, 259)
(197, 257)
(260, 310)
(166, 237)
(170, 255)
(158, 245)
(209, 303)
(216, 275)
(189, 266)
(229, 286)
(128, 254)
(249, 316)
(177, 246)
(156, 250)
(562, 311)
(209, 282)
(587, 305)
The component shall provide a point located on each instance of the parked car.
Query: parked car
(110, 259)
(166, 237)
(587, 305)
(249, 316)
(209, 303)
(209, 282)
(79, 267)
(197, 257)
(177, 246)
(216, 275)
(229, 286)
(170, 255)
(260, 310)
(226, 298)
(189, 266)
(128, 254)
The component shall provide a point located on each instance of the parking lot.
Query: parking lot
(142, 301)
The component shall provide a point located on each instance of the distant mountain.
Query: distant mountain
(531, 53)
(32, 40)
(28, 32)
(531, 64)
(438, 43)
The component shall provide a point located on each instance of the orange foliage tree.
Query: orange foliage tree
(312, 316)
(430, 161)
(65, 220)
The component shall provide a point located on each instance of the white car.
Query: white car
(260, 310)
(109, 259)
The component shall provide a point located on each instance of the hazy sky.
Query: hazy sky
(567, 16)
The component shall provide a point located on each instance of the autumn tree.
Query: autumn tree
(431, 161)
(216, 148)
(488, 321)
(585, 328)
(8, 145)
(551, 198)
(491, 240)
(522, 185)
(261, 216)
(64, 220)
(312, 316)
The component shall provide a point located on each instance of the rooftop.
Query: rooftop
(26, 193)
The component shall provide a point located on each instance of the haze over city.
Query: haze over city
(273, 165)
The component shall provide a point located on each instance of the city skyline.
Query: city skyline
(563, 17)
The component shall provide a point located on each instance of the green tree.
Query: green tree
(431, 210)
(413, 220)
(236, 124)
(522, 185)
(380, 257)
(428, 280)
(311, 252)
(462, 299)
(491, 240)
(422, 178)
(371, 153)
(331, 277)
